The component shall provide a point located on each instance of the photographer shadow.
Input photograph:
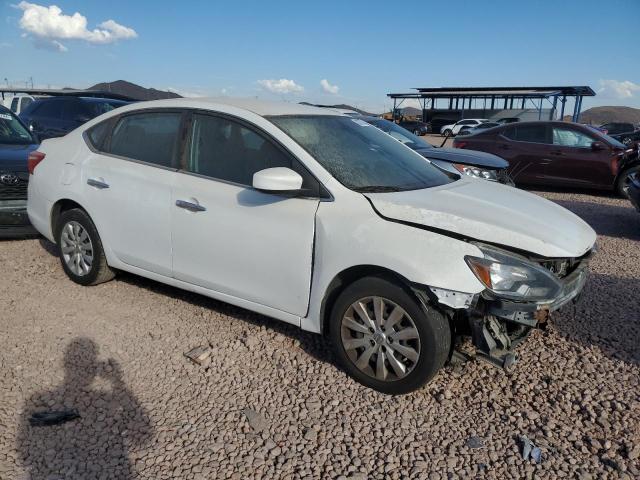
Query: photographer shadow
(112, 423)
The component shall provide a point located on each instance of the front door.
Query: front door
(231, 238)
(128, 186)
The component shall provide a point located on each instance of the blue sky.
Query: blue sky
(364, 48)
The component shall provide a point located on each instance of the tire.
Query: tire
(627, 141)
(447, 133)
(622, 183)
(78, 240)
(426, 330)
(417, 133)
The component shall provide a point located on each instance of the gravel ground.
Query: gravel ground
(270, 402)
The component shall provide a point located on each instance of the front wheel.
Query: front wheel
(447, 133)
(622, 184)
(385, 339)
(80, 249)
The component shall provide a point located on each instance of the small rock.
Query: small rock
(474, 442)
(199, 354)
(256, 421)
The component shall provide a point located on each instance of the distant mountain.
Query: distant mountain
(134, 91)
(343, 106)
(600, 115)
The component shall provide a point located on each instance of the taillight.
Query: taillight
(33, 160)
(459, 144)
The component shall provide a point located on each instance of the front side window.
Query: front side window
(149, 137)
(571, 138)
(12, 131)
(50, 108)
(226, 150)
(360, 156)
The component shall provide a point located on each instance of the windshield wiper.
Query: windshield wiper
(377, 189)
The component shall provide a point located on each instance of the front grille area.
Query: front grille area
(14, 192)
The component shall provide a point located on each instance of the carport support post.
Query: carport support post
(393, 113)
(552, 115)
(564, 100)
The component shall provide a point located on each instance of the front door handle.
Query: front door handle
(94, 182)
(192, 207)
(556, 152)
(504, 146)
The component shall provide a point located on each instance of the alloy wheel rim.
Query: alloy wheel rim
(76, 248)
(380, 338)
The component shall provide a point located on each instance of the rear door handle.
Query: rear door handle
(193, 207)
(556, 152)
(504, 146)
(94, 182)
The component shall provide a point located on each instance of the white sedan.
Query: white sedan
(314, 218)
(453, 128)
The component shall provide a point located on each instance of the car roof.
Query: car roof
(259, 107)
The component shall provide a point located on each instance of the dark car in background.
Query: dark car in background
(625, 132)
(414, 126)
(56, 116)
(634, 190)
(16, 144)
(453, 160)
(559, 154)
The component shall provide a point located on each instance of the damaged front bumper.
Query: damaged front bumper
(497, 325)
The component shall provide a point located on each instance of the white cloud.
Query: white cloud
(48, 25)
(281, 86)
(328, 88)
(618, 89)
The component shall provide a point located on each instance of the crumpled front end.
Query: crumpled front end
(498, 323)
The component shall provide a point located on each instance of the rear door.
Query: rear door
(128, 183)
(231, 238)
(527, 149)
(574, 162)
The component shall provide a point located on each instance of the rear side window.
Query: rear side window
(527, 133)
(97, 134)
(149, 137)
(227, 150)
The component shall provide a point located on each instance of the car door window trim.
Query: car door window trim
(323, 193)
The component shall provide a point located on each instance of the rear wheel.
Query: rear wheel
(80, 249)
(622, 184)
(385, 339)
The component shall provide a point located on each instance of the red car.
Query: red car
(558, 154)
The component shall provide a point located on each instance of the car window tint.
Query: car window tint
(223, 149)
(97, 134)
(527, 133)
(571, 138)
(14, 104)
(75, 110)
(149, 137)
(25, 102)
(50, 109)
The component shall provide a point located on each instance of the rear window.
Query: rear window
(149, 137)
(97, 134)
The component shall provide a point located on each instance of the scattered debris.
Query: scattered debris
(475, 442)
(530, 450)
(256, 421)
(47, 419)
(310, 434)
(199, 354)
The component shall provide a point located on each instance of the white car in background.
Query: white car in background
(453, 128)
(313, 218)
(18, 103)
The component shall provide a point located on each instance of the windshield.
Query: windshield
(12, 131)
(614, 143)
(360, 156)
(403, 135)
(99, 106)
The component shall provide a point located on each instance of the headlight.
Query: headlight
(513, 278)
(477, 172)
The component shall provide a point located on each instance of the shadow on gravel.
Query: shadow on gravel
(97, 445)
(49, 247)
(607, 317)
(621, 221)
(315, 345)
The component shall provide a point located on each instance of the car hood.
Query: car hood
(468, 157)
(14, 157)
(491, 212)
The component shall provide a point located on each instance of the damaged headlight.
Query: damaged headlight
(477, 172)
(512, 277)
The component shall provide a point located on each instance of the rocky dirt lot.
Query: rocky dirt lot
(270, 401)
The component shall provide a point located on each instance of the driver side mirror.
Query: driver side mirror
(277, 180)
(596, 146)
